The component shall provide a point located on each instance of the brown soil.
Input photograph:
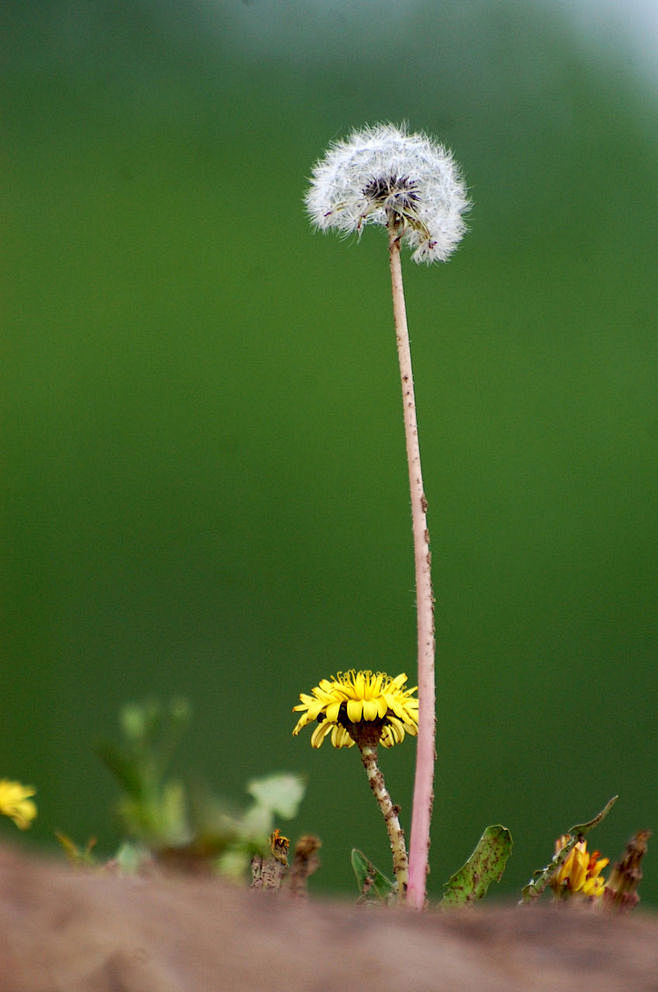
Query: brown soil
(75, 930)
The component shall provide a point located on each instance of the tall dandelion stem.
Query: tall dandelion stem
(385, 176)
(423, 796)
(391, 818)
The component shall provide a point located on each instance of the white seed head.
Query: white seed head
(405, 182)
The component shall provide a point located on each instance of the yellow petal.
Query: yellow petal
(299, 726)
(320, 733)
(332, 710)
(355, 710)
(370, 709)
(341, 738)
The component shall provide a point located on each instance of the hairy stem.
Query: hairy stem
(391, 818)
(425, 753)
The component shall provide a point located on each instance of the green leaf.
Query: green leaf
(584, 828)
(542, 876)
(256, 824)
(124, 768)
(372, 883)
(281, 793)
(173, 828)
(130, 858)
(233, 863)
(77, 855)
(485, 865)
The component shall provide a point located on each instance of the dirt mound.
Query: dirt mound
(66, 930)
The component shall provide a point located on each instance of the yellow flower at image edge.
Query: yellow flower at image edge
(581, 872)
(352, 699)
(15, 802)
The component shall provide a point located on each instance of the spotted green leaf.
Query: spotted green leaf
(485, 865)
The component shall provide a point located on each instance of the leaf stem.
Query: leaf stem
(423, 797)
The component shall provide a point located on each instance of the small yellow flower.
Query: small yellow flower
(350, 700)
(580, 872)
(15, 802)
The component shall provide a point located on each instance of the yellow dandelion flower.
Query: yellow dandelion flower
(15, 802)
(581, 871)
(357, 703)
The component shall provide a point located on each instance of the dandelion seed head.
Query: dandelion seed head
(383, 175)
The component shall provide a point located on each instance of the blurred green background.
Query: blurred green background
(204, 479)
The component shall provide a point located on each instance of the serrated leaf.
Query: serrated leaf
(584, 828)
(372, 883)
(485, 865)
(542, 876)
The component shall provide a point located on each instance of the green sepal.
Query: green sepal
(485, 865)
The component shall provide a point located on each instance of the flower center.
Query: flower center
(396, 194)
(364, 732)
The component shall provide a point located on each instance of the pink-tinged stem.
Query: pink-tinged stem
(425, 753)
